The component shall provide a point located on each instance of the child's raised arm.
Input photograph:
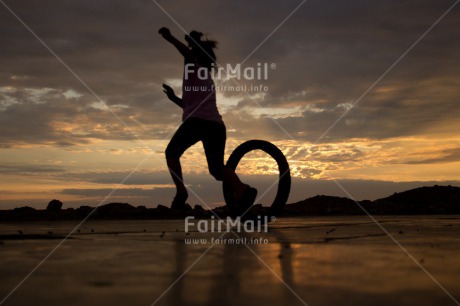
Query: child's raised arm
(183, 49)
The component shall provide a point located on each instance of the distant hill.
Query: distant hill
(323, 205)
(423, 200)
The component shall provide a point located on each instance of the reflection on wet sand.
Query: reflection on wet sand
(317, 261)
(301, 260)
(238, 268)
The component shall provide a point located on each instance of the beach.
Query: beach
(346, 260)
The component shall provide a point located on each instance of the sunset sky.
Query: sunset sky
(82, 109)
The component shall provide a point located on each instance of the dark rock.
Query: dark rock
(198, 208)
(25, 209)
(116, 211)
(83, 211)
(221, 211)
(165, 212)
(188, 207)
(162, 208)
(54, 205)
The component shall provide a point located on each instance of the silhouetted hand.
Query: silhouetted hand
(165, 32)
(169, 92)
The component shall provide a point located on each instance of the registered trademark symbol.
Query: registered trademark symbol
(273, 218)
(272, 65)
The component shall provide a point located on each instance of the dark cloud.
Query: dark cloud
(102, 192)
(326, 55)
(116, 177)
(47, 117)
(30, 169)
(448, 155)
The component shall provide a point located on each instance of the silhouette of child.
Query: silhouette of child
(201, 120)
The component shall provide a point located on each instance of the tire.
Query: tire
(284, 183)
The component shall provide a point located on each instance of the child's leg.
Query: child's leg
(214, 147)
(245, 195)
(181, 141)
(229, 176)
(175, 170)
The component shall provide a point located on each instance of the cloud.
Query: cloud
(444, 156)
(67, 121)
(326, 56)
(31, 169)
(102, 192)
(142, 177)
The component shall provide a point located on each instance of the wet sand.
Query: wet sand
(307, 261)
